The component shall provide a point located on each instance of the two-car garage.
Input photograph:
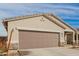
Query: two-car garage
(36, 31)
(29, 39)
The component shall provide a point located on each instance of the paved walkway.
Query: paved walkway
(55, 51)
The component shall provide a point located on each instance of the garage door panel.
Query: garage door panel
(29, 39)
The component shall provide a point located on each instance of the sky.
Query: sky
(69, 13)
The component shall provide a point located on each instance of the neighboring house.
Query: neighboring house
(3, 40)
(38, 31)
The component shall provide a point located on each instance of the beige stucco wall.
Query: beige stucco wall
(37, 23)
(78, 31)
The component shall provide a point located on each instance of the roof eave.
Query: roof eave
(63, 22)
(34, 15)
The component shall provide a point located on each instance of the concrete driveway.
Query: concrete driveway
(55, 51)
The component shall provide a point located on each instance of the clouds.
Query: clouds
(23, 9)
(68, 12)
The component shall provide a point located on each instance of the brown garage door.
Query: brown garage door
(37, 39)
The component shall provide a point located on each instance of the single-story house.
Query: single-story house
(38, 31)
